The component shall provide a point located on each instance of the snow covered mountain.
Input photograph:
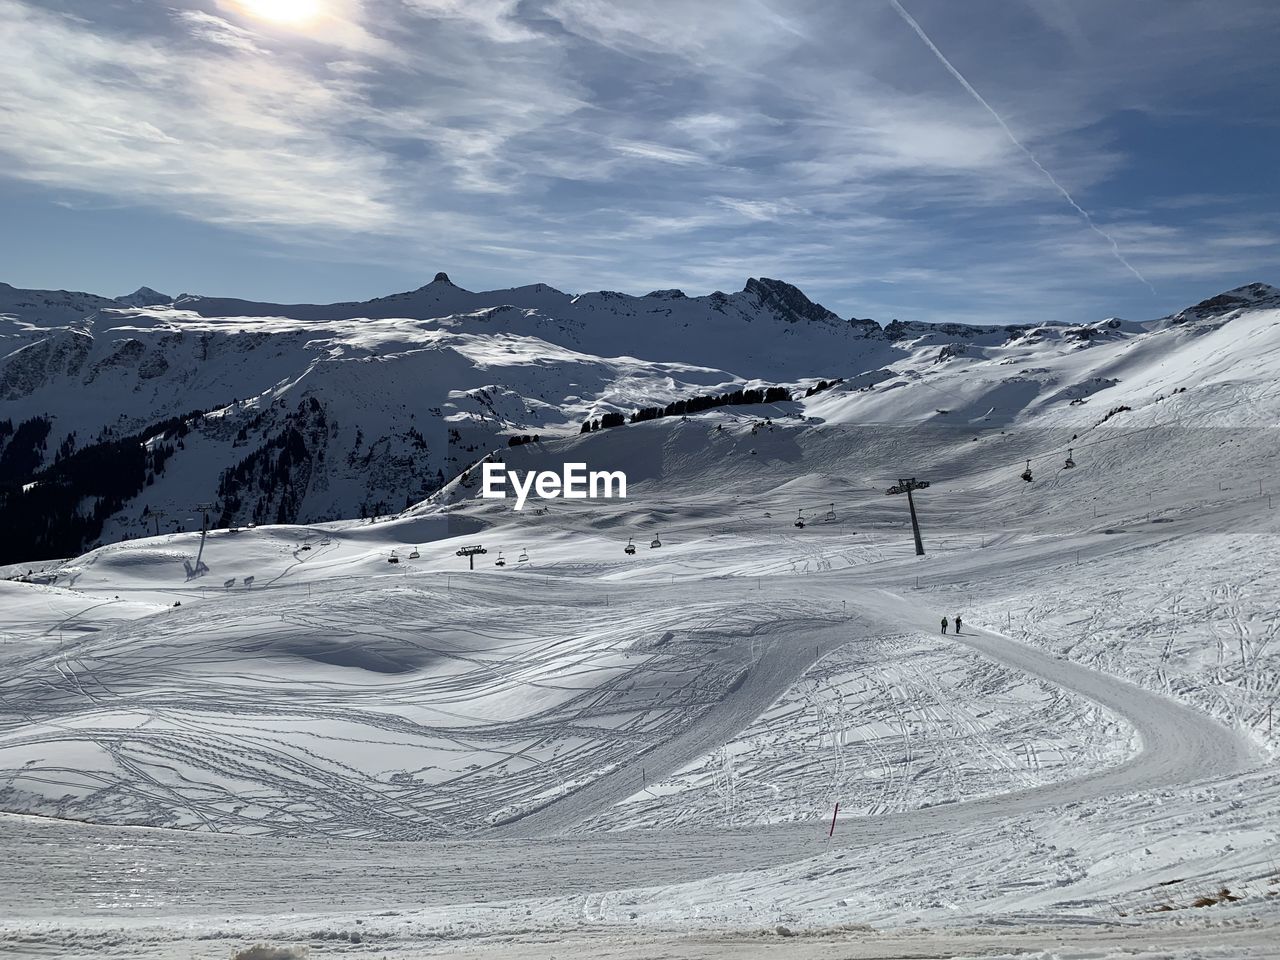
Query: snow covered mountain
(118, 416)
(747, 721)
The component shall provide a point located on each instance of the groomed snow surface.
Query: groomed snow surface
(309, 750)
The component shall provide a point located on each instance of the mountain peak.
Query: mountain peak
(144, 297)
(787, 301)
(442, 277)
(1237, 298)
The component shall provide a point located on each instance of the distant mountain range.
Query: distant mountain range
(119, 415)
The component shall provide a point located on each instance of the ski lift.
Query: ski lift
(394, 558)
(1026, 474)
(1070, 463)
(415, 554)
(524, 556)
(306, 546)
(630, 548)
(800, 518)
(499, 562)
(655, 542)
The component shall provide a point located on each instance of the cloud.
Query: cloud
(762, 210)
(494, 19)
(656, 151)
(228, 137)
(712, 33)
(216, 30)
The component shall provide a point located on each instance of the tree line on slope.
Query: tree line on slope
(696, 404)
(59, 510)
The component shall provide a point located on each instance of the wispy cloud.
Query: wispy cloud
(206, 26)
(495, 19)
(656, 151)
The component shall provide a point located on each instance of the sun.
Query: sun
(282, 11)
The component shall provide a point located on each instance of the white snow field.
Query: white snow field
(590, 753)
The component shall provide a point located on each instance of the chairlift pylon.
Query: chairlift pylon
(1026, 474)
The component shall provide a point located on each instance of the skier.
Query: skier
(944, 624)
(957, 623)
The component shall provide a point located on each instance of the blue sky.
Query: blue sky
(199, 146)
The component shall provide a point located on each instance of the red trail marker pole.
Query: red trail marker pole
(835, 813)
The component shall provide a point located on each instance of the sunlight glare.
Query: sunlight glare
(282, 11)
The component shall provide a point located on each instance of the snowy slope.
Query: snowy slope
(658, 740)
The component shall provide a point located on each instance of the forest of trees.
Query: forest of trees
(276, 473)
(680, 408)
(22, 448)
(822, 385)
(59, 510)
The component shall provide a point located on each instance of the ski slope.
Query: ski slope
(541, 728)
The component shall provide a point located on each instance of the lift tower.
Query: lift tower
(470, 553)
(907, 486)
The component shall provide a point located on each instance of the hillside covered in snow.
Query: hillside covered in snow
(118, 417)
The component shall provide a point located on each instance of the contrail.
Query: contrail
(1115, 247)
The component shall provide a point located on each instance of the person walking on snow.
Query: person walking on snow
(957, 623)
(944, 624)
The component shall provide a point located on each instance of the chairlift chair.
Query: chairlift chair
(393, 558)
(655, 542)
(306, 546)
(630, 548)
(1026, 474)
(1070, 463)
(499, 562)
(415, 554)
(524, 556)
(800, 518)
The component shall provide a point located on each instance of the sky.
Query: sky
(1071, 159)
